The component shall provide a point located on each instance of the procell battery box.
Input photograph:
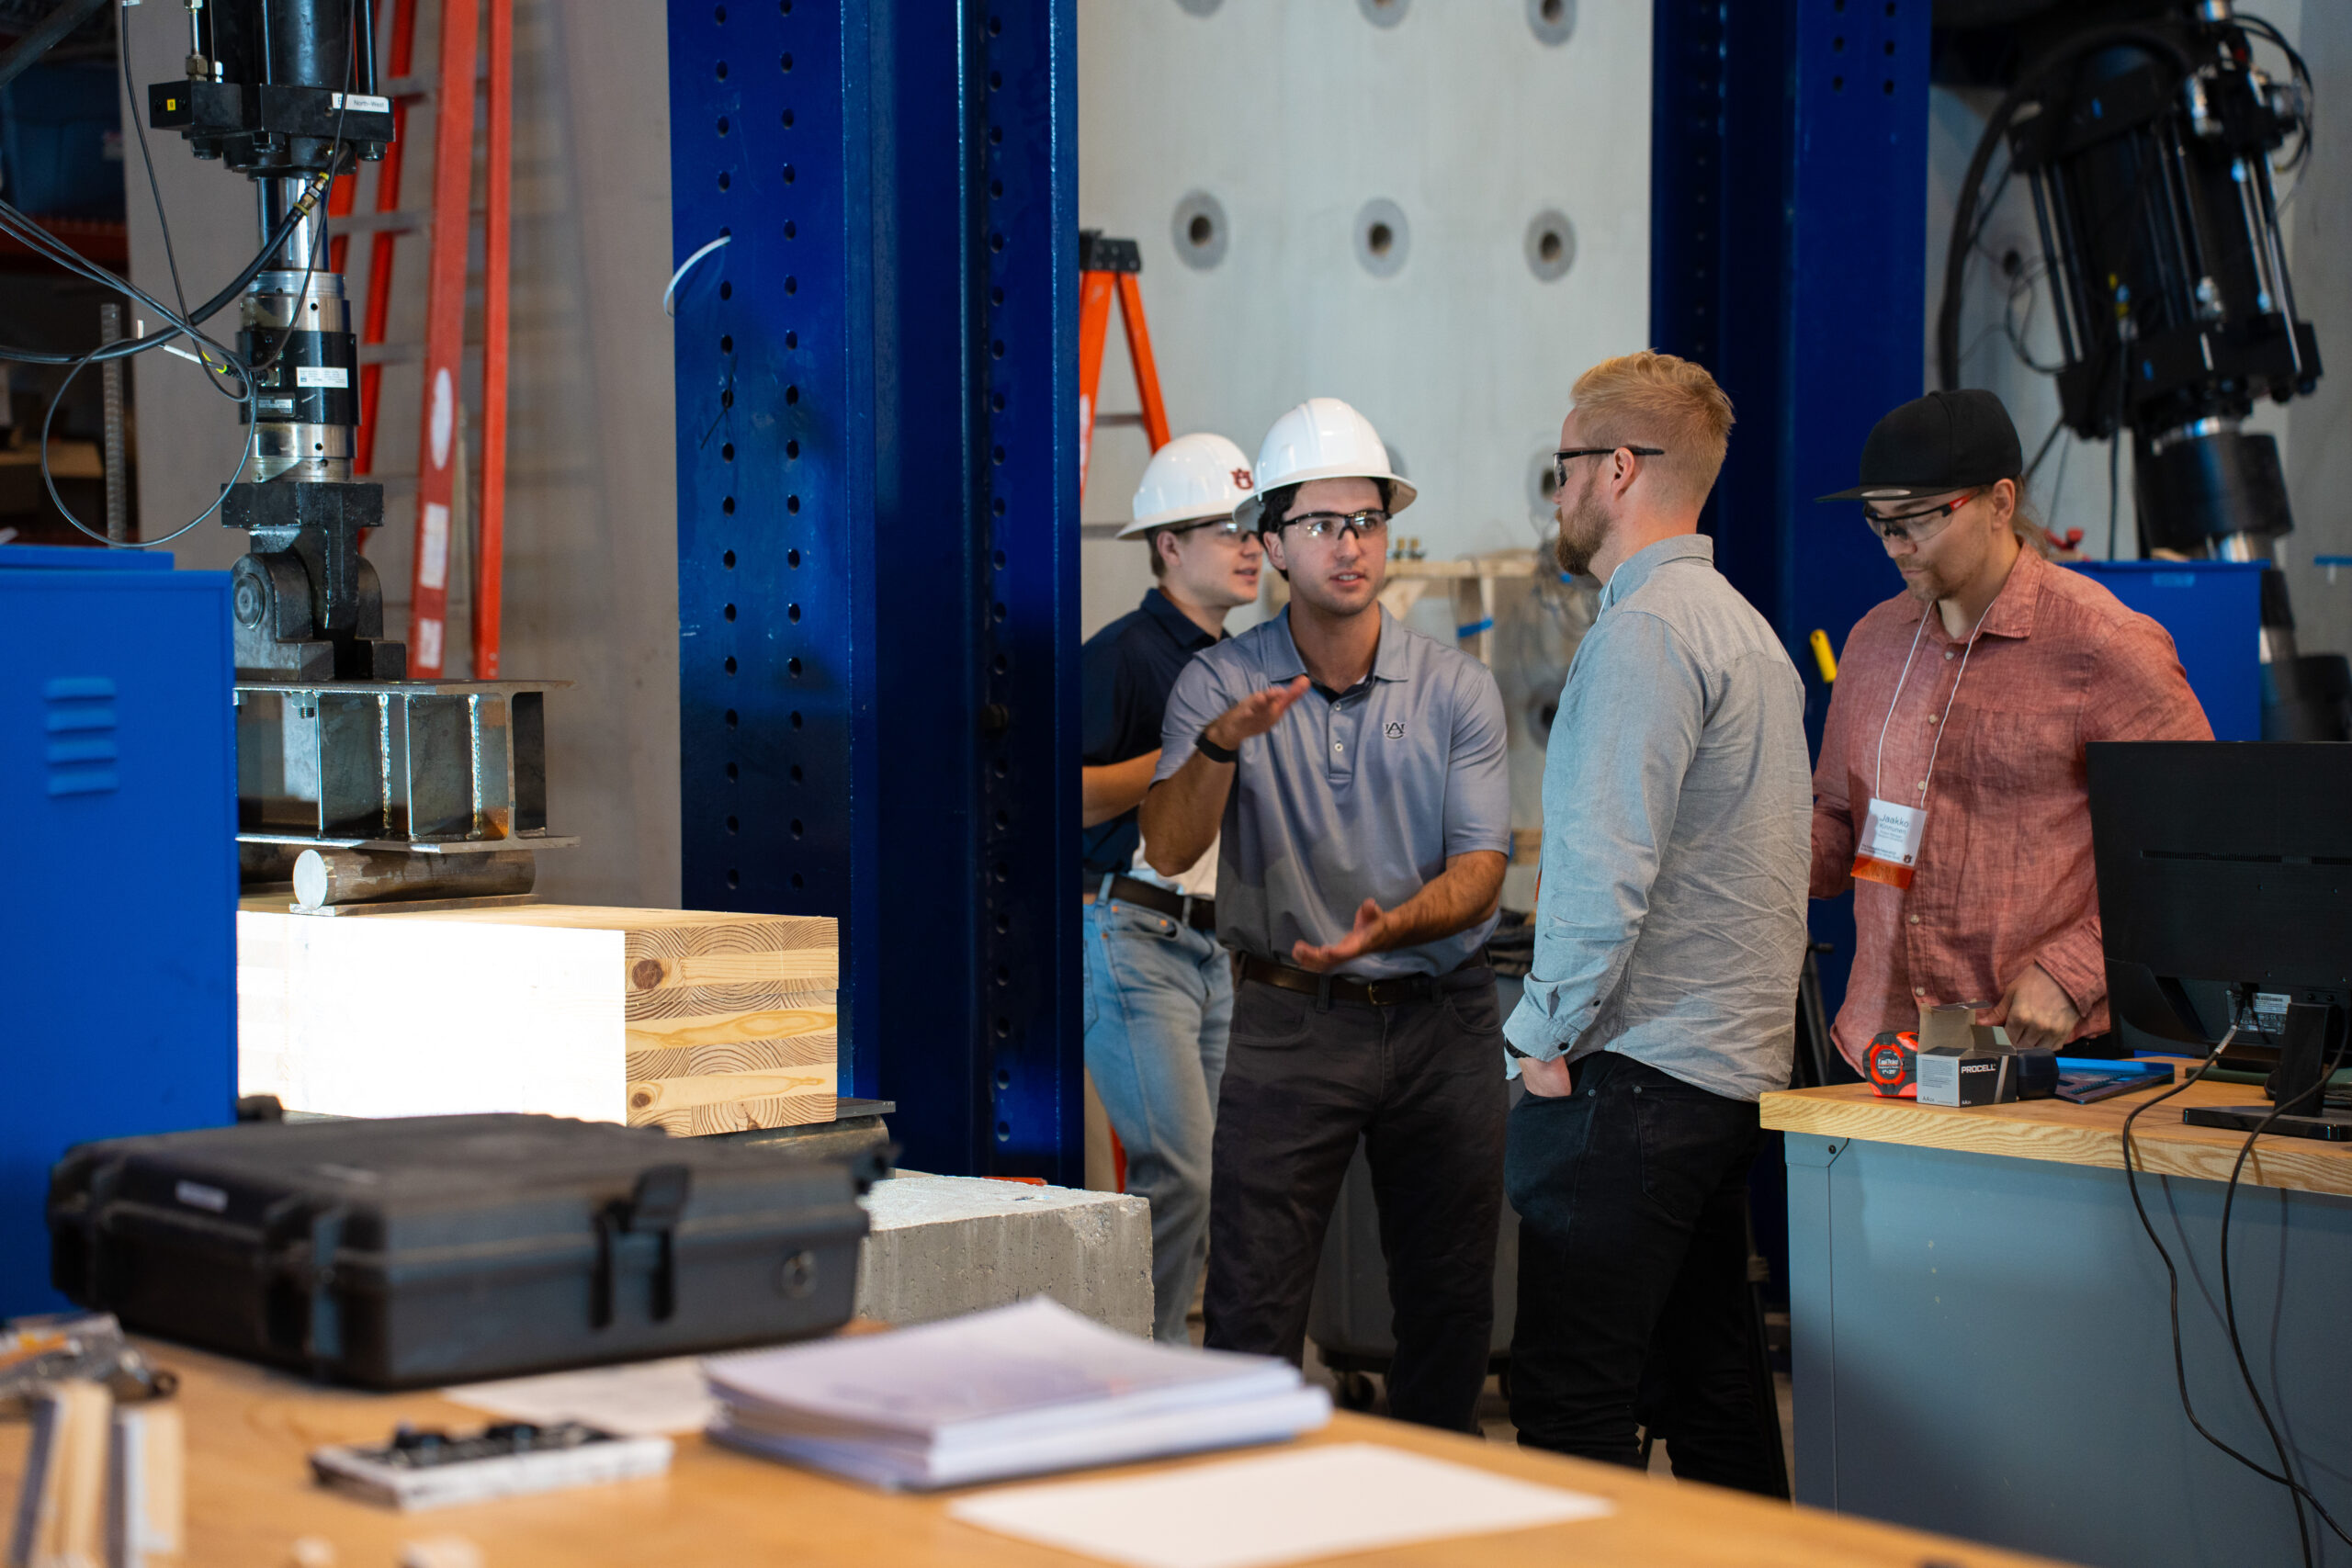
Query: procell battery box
(1976, 1075)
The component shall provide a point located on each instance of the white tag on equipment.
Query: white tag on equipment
(1888, 849)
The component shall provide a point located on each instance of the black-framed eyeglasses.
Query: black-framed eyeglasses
(1917, 527)
(1560, 460)
(1370, 524)
(1227, 529)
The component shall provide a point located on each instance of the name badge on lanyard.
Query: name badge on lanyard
(1888, 847)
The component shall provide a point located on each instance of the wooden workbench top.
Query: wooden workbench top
(2066, 1134)
(250, 1498)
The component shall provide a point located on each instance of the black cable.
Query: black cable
(180, 322)
(2043, 450)
(2262, 26)
(2229, 1296)
(154, 188)
(2172, 1274)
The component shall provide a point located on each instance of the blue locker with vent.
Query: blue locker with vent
(117, 912)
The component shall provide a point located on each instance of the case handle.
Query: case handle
(655, 1205)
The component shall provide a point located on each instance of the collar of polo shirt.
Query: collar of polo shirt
(1387, 662)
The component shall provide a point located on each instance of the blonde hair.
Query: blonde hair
(1657, 400)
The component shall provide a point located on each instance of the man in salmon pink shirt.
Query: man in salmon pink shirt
(1950, 793)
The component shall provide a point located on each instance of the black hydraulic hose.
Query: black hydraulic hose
(2029, 81)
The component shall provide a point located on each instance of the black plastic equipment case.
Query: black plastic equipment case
(436, 1249)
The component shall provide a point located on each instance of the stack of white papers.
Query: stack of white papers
(1013, 1391)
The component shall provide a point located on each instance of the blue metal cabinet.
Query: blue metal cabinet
(2213, 610)
(118, 779)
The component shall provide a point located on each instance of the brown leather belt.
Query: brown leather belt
(1198, 913)
(1374, 993)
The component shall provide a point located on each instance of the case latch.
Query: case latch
(653, 1207)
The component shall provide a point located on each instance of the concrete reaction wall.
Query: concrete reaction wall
(1251, 146)
(590, 539)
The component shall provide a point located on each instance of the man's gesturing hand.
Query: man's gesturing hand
(1319, 959)
(1253, 715)
(2036, 1010)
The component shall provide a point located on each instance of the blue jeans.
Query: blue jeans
(1159, 1001)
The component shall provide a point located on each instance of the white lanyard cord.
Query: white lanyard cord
(1878, 772)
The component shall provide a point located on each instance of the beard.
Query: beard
(1584, 528)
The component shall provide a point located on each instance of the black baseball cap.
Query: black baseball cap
(1943, 442)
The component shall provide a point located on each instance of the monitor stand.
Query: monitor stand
(2310, 1045)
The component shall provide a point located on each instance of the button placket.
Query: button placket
(1340, 757)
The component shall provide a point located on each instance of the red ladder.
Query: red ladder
(447, 219)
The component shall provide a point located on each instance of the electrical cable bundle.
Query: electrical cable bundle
(219, 361)
(2299, 1495)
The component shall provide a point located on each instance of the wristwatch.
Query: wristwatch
(1213, 751)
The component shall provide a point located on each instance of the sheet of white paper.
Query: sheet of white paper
(1286, 1507)
(642, 1400)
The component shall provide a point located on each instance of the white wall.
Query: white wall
(591, 536)
(1294, 116)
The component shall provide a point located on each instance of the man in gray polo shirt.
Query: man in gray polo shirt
(1670, 930)
(1356, 769)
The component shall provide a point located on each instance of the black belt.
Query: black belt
(1376, 993)
(1198, 913)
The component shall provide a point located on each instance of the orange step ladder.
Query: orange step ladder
(1108, 269)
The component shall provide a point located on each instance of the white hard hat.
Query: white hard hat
(1323, 438)
(1191, 478)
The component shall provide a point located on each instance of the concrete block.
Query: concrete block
(944, 1245)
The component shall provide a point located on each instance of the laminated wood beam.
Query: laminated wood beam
(696, 1021)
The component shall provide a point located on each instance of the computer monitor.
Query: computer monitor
(2225, 897)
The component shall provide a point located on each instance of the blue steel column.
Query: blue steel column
(877, 521)
(1029, 751)
(1788, 253)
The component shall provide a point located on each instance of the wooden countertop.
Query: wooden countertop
(250, 1498)
(2066, 1134)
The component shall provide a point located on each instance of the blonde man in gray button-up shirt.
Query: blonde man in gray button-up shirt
(1669, 932)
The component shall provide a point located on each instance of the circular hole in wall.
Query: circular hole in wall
(1382, 12)
(1542, 479)
(1551, 245)
(1383, 239)
(1198, 229)
(1551, 21)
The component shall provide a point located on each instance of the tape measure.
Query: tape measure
(1892, 1064)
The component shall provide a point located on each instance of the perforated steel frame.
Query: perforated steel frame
(1787, 254)
(877, 533)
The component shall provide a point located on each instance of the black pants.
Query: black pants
(1422, 1082)
(1631, 1194)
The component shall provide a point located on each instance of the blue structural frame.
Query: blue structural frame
(1787, 254)
(877, 539)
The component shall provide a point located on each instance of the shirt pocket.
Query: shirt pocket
(2012, 753)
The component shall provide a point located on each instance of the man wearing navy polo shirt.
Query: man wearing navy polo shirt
(1356, 772)
(1159, 988)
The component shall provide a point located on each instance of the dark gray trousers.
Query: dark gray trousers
(1422, 1082)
